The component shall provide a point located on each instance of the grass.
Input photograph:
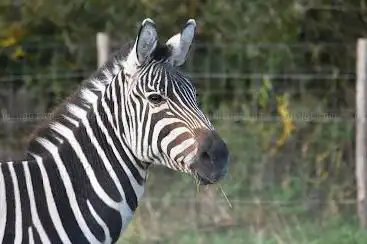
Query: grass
(331, 232)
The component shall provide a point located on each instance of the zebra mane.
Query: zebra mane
(96, 84)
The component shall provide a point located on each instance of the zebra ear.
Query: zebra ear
(146, 41)
(181, 42)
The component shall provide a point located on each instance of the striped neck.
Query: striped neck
(83, 131)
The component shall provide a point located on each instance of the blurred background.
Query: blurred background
(276, 77)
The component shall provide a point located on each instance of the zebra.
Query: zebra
(85, 168)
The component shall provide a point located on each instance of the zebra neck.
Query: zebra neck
(90, 153)
(86, 144)
(109, 148)
(104, 121)
(83, 133)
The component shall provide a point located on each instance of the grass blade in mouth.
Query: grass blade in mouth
(225, 196)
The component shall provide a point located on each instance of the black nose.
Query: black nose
(211, 162)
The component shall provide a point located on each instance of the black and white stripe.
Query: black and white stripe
(85, 169)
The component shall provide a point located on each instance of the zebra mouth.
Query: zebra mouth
(206, 171)
(202, 170)
(202, 180)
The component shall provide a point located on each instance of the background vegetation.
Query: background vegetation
(277, 78)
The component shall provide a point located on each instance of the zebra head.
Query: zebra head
(164, 124)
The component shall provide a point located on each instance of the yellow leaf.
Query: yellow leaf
(12, 35)
(7, 42)
(284, 114)
(18, 53)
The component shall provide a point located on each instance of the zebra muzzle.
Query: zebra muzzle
(211, 161)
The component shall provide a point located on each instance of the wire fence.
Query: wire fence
(287, 116)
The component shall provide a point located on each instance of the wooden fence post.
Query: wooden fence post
(103, 48)
(361, 142)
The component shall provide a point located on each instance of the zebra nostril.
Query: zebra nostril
(204, 157)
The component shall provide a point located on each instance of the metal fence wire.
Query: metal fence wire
(287, 116)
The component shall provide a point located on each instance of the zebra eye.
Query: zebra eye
(155, 98)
